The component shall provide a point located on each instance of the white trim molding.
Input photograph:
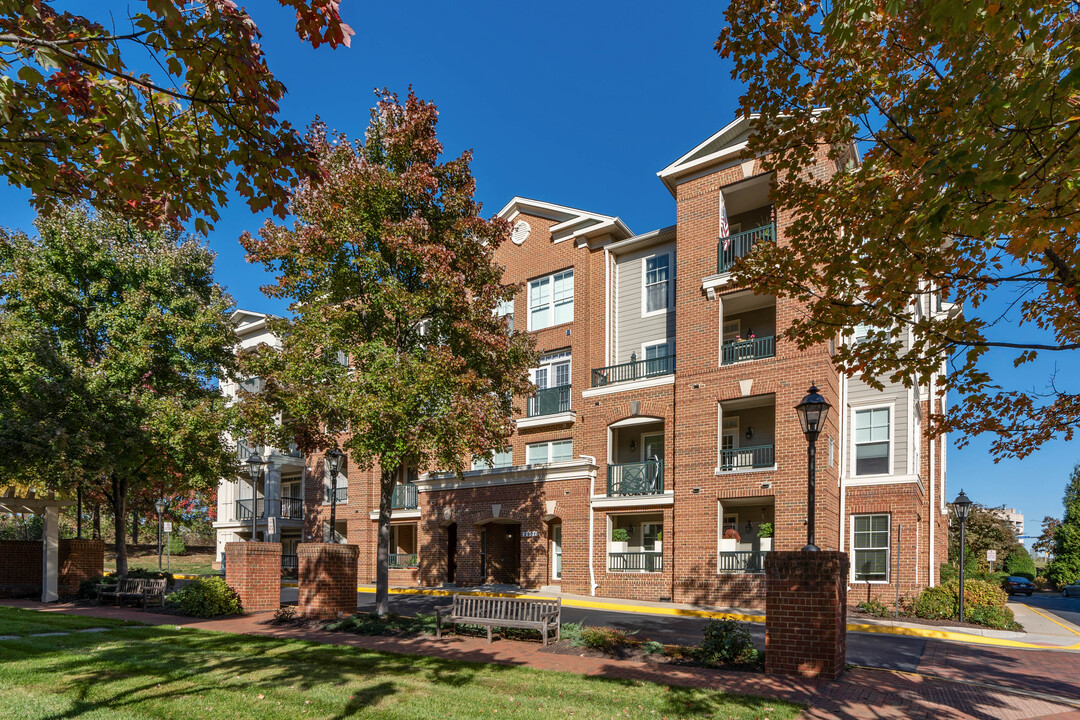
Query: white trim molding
(635, 385)
(397, 515)
(603, 501)
(515, 475)
(867, 480)
(564, 418)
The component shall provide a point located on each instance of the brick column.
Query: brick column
(79, 560)
(806, 613)
(253, 570)
(327, 579)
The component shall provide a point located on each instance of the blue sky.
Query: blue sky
(573, 103)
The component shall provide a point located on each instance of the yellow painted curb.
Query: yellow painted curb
(1037, 612)
(956, 637)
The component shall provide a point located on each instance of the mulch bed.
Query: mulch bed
(857, 615)
(636, 654)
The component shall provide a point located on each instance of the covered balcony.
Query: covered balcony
(749, 327)
(403, 547)
(549, 401)
(732, 247)
(747, 434)
(636, 466)
(746, 534)
(751, 220)
(635, 543)
(636, 369)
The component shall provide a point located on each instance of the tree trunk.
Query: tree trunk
(96, 531)
(119, 501)
(382, 558)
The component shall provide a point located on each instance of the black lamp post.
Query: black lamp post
(160, 507)
(255, 465)
(333, 460)
(812, 413)
(962, 507)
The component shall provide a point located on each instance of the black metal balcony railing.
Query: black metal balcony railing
(635, 562)
(748, 458)
(290, 562)
(733, 247)
(742, 561)
(404, 497)
(403, 560)
(292, 508)
(640, 478)
(633, 370)
(342, 495)
(244, 451)
(752, 349)
(243, 508)
(549, 401)
(293, 451)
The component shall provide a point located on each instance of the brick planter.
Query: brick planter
(253, 570)
(806, 613)
(327, 579)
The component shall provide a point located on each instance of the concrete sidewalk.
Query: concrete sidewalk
(860, 693)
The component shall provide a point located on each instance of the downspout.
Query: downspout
(932, 514)
(592, 492)
(842, 451)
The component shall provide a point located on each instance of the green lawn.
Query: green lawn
(14, 621)
(193, 564)
(164, 672)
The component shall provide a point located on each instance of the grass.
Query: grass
(193, 564)
(14, 621)
(165, 672)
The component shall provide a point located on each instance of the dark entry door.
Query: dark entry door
(451, 552)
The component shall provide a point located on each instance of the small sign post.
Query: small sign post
(991, 556)
(168, 545)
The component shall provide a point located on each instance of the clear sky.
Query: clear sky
(574, 103)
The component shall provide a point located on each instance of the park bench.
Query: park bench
(136, 589)
(502, 612)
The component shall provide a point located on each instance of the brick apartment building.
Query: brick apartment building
(662, 444)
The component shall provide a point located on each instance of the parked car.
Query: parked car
(1017, 584)
(1071, 590)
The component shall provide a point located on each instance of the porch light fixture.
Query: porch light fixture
(962, 507)
(749, 432)
(813, 410)
(333, 461)
(256, 465)
(160, 507)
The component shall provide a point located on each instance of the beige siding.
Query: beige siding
(861, 395)
(632, 330)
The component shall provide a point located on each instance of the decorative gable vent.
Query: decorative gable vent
(520, 233)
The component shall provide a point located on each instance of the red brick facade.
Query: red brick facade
(79, 560)
(253, 570)
(21, 563)
(806, 614)
(327, 579)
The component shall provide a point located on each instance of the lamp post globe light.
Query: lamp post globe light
(255, 465)
(333, 460)
(812, 410)
(962, 507)
(160, 507)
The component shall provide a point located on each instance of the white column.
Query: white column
(50, 555)
(272, 492)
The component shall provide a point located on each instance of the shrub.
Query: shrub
(765, 530)
(977, 592)
(88, 589)
(176, 545)
(284, 615)
(726, 641)
(1000, 618)
(207, 597)
(571, 632)
(607, 639)
(875, 607)
(620, 535)
(652, 647)
(934, 603)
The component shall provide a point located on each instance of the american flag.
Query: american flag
(725, 229)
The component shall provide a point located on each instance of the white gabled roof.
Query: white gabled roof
(725, 144)
(570, 223)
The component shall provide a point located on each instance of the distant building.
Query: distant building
(1015, 518)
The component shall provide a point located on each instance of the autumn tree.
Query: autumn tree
(1064, 569)
(986, 528)
(156, 114)
(110, 339)
(1045, 541)
(966, 115)
(394, 286)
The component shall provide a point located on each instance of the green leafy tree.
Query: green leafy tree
(110, 340)
(395, 286)
(154, 115)
(1045, 541)
(1065, 567)
(1019, 562)
(966, 191)
(986, 529)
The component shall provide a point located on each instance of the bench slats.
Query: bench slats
(539, 614)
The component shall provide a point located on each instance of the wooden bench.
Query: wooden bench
(136, 589)
(502, 612)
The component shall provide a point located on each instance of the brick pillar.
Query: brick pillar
(253, 570)
(806, 613)
(79, 560)
(327, 579)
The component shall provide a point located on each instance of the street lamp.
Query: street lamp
(255, 465)
(812, 413)
(160, 507)
(333, 459)
(962, 507)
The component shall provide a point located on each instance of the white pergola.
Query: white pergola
(49, 509)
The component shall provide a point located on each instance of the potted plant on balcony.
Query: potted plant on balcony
(765, 533)
(619, 539)
(659, 545)
(731, 540)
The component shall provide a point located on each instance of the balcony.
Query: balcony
(635, 478)
(399, 561)
(405, 497)
(742, 561)
(292, 508)
(549, 401)
(243, 508)
(341, 493)
(290, 563)
(748, 458)
(635, 562)
(633, 370)
(733, 247)
(752, 349)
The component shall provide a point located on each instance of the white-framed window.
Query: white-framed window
(658, 357)
(556, 551)
(870, 544)
(552, 371)
(499, 459)
(873, 441)
(341, 483)
(551, 300)
(860, 334)
(549, 452)
(505, 309)
(658, 292)
(650, 534)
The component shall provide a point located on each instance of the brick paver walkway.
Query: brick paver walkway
(1041, 671)
(860, 693)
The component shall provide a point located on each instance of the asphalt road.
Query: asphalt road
(1065, 608)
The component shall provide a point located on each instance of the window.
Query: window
(499, 459)
(872, 441)
(553, 371)
(658, 358)
(551, 300)
(870, 541)
(341, 483)
(550, 452)
(861, 334)
(658, 284)
(505, 309)
(556, 551)
(650, 534)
